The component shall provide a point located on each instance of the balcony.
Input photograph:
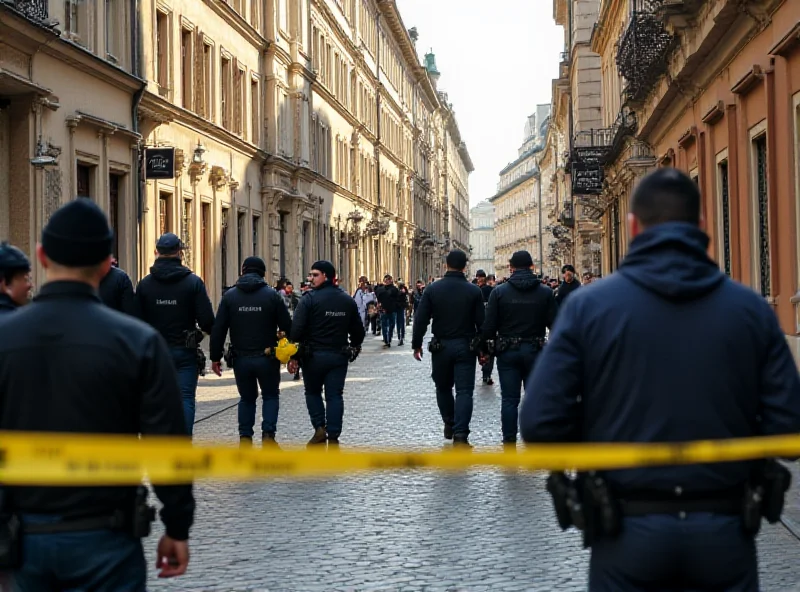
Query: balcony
(643, 48)
(566, 216)
(35, 10)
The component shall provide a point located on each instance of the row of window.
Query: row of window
(394, 137)
(207, 81)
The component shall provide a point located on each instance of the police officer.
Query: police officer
(254, 313)
(174, 301)
(517, 316)
(116, 291)
(668, 348)
(486, 290)
(322, 322)
(15, 279)
(70, 364)
(456, 307)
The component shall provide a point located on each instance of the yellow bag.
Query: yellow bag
(284, 350)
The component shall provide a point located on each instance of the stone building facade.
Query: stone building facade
(573, 218)
(713, 89)
(481, 237)
(67, 89)
(517, 222)
(302, 129)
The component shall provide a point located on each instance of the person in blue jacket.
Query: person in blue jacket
(667, 349)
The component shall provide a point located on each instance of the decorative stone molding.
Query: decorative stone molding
(218, 177)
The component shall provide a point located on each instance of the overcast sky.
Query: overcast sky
(498, 59)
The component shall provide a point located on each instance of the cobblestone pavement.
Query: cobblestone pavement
(398, 531)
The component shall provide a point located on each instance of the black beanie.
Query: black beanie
(327, 268)
(254, 265)
(77, 235)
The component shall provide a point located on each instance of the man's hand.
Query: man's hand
(172, 557)
(418, 354)
(216, 368)
(293, 366)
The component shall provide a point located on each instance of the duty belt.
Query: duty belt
(115, 521)
(681, 506)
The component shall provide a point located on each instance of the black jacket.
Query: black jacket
(521, 307)
(402, 299)
(254, 312)
(486, 291)
(324, 319)
(6, 305)
(565, 289)
(116, 291)
(668, 349)
(173, 300)
(389, 298)
(70, 364)
(454, 304)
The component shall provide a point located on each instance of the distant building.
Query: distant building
(481, 237)
(517, 224)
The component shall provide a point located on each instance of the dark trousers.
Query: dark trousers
(514, 367)
(97, 560)
(185, 361)
(400, 319)
(388, 321)
(662, 553)
(251, 373)
(373, 322)
(454, 366)
(328, 370)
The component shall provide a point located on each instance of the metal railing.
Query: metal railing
(35, 10)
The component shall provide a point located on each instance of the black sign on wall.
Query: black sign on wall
(587, 179)
(590, 154)
(159, 163)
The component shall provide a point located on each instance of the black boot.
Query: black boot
(268, 440)
(245, 441)
(461, 441)
(448, 431)
(319, 437)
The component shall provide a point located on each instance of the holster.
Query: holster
(351, 353)
(602, 511)
(10, 537)
(476, 344)
(435, 346)
(193, 338)
(143, 514)
(201, 362)
(765, 495)
(229, 355)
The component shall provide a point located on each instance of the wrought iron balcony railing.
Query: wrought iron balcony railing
(35, 10)
(642, 49)
(566, 217)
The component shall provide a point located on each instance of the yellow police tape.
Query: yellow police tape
(81, 459)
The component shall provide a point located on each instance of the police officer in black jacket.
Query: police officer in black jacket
(254, 313)
(668, 349)
(15, 279)
(517, 316)
(116, 291)
(175, 301)
(456, 307)
(322, 322)
(70, 364)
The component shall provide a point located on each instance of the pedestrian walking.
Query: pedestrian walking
(400, 317)
(330, 331)
(174, 301)
(254, 313)
(568, 286)
(70, 364)
(15, 278)
(364, 298)
(116, 291)
(389, 300)
(619, 368)
(517, 316)
(487, 367)
(456, 308)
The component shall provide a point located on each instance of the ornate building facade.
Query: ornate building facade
(711, 87)
(67, 86)
(517, 221)
(481, 237)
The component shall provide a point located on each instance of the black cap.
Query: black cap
(12, 259)
(169, 244)
(254, 265)
(480, 273)
(567, 268)
(327, 268)
(456, 259)
(520, 260)
(77, 235)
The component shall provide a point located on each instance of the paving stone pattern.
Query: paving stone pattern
(427, 531)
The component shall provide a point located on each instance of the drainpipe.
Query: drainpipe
(137, 98)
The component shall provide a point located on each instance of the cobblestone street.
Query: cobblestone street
(422, 531)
